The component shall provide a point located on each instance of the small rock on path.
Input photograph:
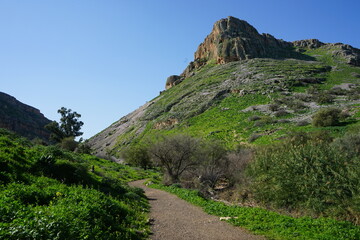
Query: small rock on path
(176, 219)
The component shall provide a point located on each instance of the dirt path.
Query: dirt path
(176, 219)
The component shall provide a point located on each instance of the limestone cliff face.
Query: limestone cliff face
(22, 119)
(233, 39)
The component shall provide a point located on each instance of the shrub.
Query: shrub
(324, 98)
(274, 107)
(253, 137)
(83, 148)
(175, 154)
(213, 164)
(137, 155)
(281, 113)
(327, 117)
(311, 175)
(69, 144)
(264, 121)
(302, 123)
(238, 161)
(254, 118)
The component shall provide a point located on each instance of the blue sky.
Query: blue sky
(105, 58)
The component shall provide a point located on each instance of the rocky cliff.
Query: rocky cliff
(232, 39)
(22, 119)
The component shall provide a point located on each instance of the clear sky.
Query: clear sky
(105, 58)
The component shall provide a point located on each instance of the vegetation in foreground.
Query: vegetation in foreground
(48, 193)
(311, 179)
(270, 224)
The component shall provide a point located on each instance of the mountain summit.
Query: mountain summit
(232, 39)
(244, 87)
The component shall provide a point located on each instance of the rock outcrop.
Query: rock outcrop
(347, 52)
(308, 43)
(22, 119)
(172, 81)
(232, 39)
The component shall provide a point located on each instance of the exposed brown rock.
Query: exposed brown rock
(22, 119)
(347, 52)
(233, 39)
(166, 124)
(172, 81)
(308, 43)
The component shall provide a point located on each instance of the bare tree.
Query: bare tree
(175, 154)
(213, 165)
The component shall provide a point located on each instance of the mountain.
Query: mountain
(25, 120)
(245, 88)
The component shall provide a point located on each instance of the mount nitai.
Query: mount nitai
(245, 88)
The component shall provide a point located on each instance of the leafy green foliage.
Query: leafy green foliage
(270, 224)
(138, 155)
(327, 117)
(310, 174)
(68, 128)
(48, 193)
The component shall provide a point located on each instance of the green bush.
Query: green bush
(324, 98)
(308, 173)
(137, 155)
(327, 117)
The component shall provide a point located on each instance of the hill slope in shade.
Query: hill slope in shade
(245, 87)
(25, 120)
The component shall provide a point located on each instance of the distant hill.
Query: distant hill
(246, 88)
(22, 119)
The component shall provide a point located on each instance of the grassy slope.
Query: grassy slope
(46, 193)
(193, 104)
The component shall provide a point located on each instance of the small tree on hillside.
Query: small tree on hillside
(327, 117)
(68, 127)
(175, 154)
(137, 155)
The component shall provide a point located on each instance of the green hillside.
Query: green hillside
(255, 101)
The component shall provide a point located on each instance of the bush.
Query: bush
(324, 98)
(302, 123)
(309, 174)
(69, 144)
(254, 118)
(253, 137)
(281, 113)
(175, 154)
(264, 121)
(137, 155)
(327, 117)
(274, 107)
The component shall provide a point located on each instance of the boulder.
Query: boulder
(172, 81)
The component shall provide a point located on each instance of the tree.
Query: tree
(137, 155)
(175, 154)
(68, 127)
(213, 163)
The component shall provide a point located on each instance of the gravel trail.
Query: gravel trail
(176, 219)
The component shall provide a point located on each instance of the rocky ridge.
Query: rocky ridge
(232, 39)
(25, 120)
